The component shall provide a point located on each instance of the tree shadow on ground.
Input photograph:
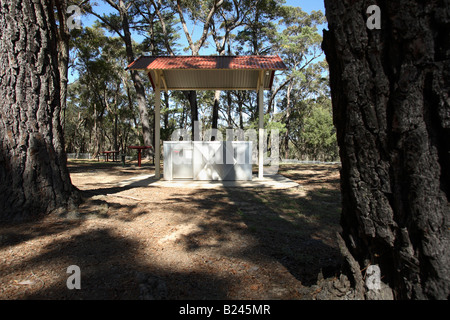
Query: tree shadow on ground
(298, 232)
(84, 166)
(111, 270)
(321, 174)
(12, 234)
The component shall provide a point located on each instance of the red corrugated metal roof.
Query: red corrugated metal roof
(207, 62)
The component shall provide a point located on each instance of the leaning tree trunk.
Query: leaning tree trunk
(137, 81)
(63, 34)
(390, 90)
(143, 110)
(34, 179)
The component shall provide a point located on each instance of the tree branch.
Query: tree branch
(217, 4)
(163, 25)
(105, 21)
(185, 29)
(196, 48)
(112, 4)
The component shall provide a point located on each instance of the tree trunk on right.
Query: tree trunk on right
(390, 89)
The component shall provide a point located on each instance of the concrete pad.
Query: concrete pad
(275, 181)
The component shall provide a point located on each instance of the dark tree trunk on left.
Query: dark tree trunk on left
(34, 178)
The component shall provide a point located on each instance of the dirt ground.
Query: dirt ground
(178, 243)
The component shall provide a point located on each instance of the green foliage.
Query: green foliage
(102, 109)
(269, 124)
(319, 134)
(98, 108)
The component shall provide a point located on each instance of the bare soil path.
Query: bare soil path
(178, 243)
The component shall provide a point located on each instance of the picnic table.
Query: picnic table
(139, 149)
(114, 157)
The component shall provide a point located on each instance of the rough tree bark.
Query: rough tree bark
(63, 34)
(390, 91)
(34, 179)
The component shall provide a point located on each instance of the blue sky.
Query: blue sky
(306, 5)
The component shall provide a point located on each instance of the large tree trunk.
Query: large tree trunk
(390, 90)
(34, 179)
(229, 110)
(167, 110)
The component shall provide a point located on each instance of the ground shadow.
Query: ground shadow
(14, 233)
(83, 166)
(301, 237)
(294, 230)
(297, 232)
(110, 270)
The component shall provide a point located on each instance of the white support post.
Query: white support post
(261, 132)
(157, 128)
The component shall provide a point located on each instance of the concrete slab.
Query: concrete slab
(275, 181)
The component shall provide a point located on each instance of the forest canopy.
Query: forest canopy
(109, 107)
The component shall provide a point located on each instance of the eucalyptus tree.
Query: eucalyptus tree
(200, 12)
(155, 21)
(101, 91)
(390, 88)
(120, 22)
(258, 26)
(34, 179)
(231, 16)
(297, 41)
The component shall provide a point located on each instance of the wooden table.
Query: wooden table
(139, 149)
(113, 155)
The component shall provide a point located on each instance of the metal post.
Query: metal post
(157, 128)
(139, 158)
(261, 131)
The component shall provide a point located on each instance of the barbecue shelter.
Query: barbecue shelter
(209, 73)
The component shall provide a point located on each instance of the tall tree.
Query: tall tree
(231, 17)
(120, 23)
(63, 34)
(156, 21)
(259, 24)
(390, 89)
(34, 179)
(99, 88)
(200, 11)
